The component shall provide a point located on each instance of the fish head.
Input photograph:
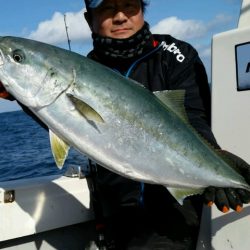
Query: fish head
(29, 73)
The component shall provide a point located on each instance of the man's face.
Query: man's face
(117, 18)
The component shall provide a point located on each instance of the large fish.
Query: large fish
(111, 119)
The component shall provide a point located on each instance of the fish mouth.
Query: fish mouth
(3, 93)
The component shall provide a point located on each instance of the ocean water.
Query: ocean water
(25, 149)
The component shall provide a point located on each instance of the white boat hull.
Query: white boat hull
(43, 204)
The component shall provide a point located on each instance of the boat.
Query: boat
(54, 212)
(230, 124)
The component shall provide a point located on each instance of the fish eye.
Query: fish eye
(18, 56)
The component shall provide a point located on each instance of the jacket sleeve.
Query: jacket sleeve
(193, 79)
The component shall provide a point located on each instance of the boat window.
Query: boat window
(242, 52)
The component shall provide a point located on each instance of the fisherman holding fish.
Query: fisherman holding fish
(146, 216)
(150, 160)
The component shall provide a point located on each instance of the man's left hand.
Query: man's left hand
(226, 198)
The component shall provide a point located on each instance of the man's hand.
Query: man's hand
(226, 198)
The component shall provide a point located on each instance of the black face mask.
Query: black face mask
(128, 48)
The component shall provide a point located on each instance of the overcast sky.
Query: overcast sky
(195, 21)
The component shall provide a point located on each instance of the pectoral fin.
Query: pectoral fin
(180, 194)
(83, 108)
(59, 149)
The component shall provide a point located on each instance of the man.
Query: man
(146, 216)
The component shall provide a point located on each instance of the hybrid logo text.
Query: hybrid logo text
(172, 48)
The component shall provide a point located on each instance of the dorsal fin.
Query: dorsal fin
(174, 99)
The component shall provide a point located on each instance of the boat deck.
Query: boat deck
(67, 238)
